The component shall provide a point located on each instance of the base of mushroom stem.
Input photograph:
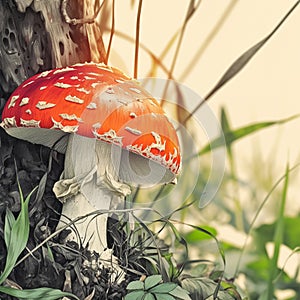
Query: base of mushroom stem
(106, 260)
(89, 233)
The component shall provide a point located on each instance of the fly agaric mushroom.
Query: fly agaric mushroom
(113, 133)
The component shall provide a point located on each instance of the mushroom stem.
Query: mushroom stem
(90, 182)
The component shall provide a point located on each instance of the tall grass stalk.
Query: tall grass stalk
(278, 238)
(213, 33)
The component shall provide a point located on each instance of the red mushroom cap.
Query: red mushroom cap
(96, 101)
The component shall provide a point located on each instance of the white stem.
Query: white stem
(89, 183)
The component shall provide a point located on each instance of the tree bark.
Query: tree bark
(35, 36)
(38, 35)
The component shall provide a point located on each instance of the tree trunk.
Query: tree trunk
(38, 35)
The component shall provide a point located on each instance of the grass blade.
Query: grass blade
(193, 62)
(234, 135)
(242, 61)
(190, 12)
(18, 236)
(259, 210)
(137, 39)
(39, 293)
(278, 237)
(9, 223)
(154, 58)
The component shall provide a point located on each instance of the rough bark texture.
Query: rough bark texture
(36, 37)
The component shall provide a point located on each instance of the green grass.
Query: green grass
(16, 233)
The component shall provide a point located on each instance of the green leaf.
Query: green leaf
(258, 270)
(234, 135)
(221, 296)
(152, 281)
(180, 293)
(135, 295)
(135, 285)
(195, 236)
(177, 234)
(291, 231)
(18, 236)
(164, 297)
(50, 253)
(164, 288)
(265, 233)
(9, 222)
(203, 288)
(149, 296)
(39, 293)
(226, 128)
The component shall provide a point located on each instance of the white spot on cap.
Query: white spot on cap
(94, 84)
(29, 123)
(43, 88)
(74, 77)
(9, 122)
(83, 90)
(67, 129)
(44, 105)
(109, 136)
(63, 70)
(28, 111)
(105, 68)
(133, 130)
(119, 81)
(74, 99)
(24, 101)
(13, 100)
(63, 85)
(89, 78)
(92, 105)
(44, 74)
(28, 83)
(133, 115)
(72, 117)
(158, 143)
(135, 90)
(94, 74)
(122, 102)
(145, 151)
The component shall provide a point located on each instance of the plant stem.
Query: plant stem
(278, 237)
(137, 40)
(239, 221)
(213, 33)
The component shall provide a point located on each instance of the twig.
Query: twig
(137, 39)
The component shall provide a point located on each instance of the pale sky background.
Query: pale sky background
(267, 89)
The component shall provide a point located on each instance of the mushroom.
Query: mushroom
(113, 132)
